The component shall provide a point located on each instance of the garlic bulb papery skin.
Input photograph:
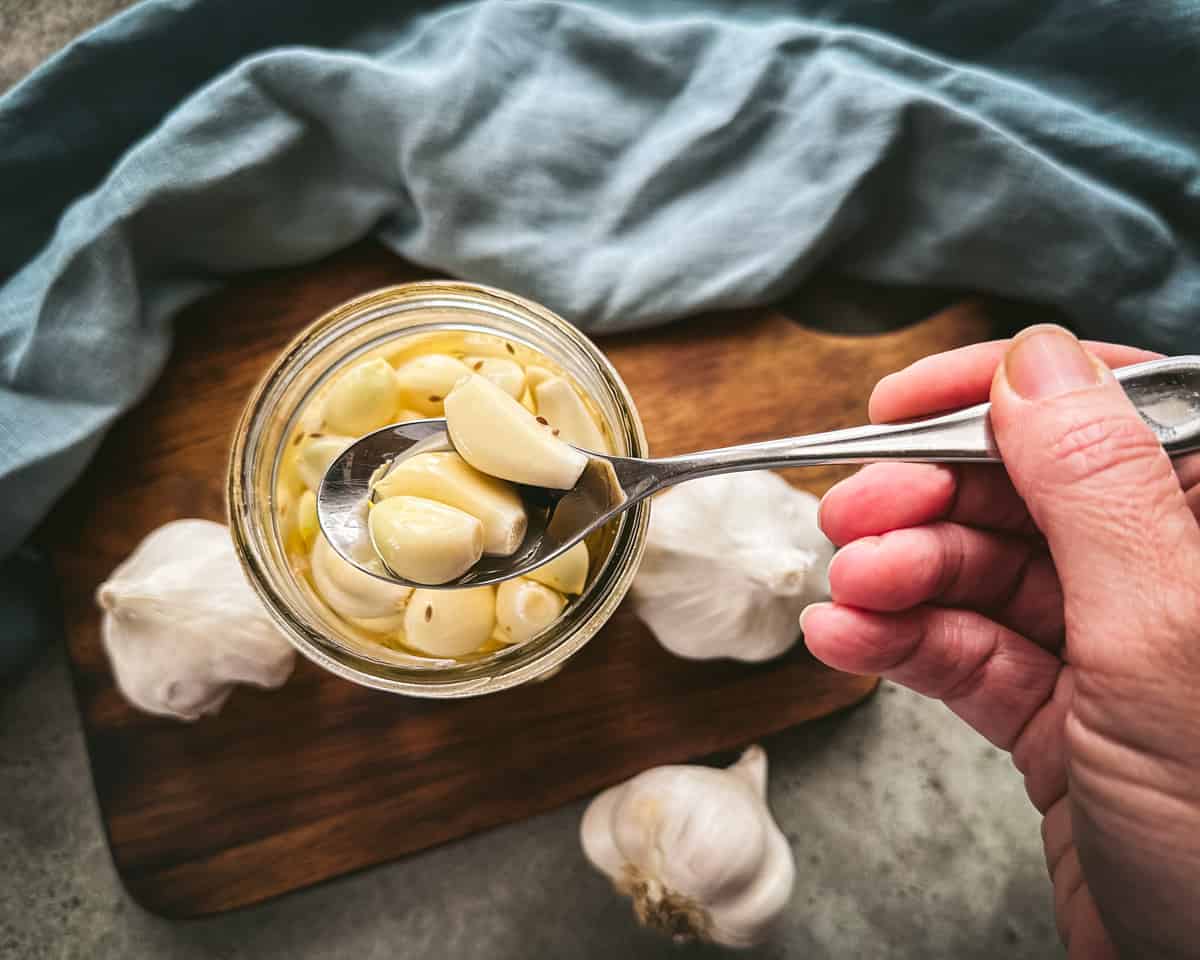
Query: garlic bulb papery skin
(696, 849)
(730, 562)
(182, 626)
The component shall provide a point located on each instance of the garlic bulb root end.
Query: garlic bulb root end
(679, 917)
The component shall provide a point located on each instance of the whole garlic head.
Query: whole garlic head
(696, 849)
(182, 626)
(730, 562)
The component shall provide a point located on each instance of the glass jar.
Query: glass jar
(338, 338)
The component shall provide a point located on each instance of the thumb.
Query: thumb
(1102, 491)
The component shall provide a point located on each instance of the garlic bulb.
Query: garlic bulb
(696, 849)
(182, 626)
(730, 562)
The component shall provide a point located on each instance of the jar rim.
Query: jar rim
(471, 678)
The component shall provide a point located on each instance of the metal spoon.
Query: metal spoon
(1165, 392)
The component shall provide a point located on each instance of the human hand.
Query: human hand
(1054, 604)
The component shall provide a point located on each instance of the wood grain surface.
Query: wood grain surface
(288, 788)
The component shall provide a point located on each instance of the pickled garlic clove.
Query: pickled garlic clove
(486, 345)
(450, 623)
(426, 381)
(566, 573)
(362, 399)
(504, 373)
(559, 403)
(423, 540)
(306, 518)
(498, 436)
(535, 375)
(449, 479)
(349, 591)
(317, 453)
(525, 608)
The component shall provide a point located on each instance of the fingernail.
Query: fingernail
(1046, 361)
(807, 610)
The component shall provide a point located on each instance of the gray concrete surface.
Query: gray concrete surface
(913, 837)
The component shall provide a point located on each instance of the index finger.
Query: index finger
(962, 378)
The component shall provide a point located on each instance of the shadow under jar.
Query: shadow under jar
(379, 323)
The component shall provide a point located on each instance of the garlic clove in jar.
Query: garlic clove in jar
(503, 372)
(536, 375)
(525, 608)
(318, 451)
(566, 573)
(426, 381)
(390, 624)
(306, 518)
(182, 627)
(498, 436)
(558, 402)
(362, 399)
(448, 478)
(423, 540)
(696, 849)
(349, 591)
(487, 345)
(730, 562)
(450, 623)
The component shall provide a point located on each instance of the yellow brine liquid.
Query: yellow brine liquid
(408, 379)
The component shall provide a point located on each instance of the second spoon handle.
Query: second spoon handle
(1165, 392)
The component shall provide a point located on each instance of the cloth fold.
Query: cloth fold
(625, 163)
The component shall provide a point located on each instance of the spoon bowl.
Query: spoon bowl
(1165, 392)
(558, 519)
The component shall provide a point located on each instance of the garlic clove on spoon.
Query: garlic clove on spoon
(730, 562)
(182, 627)
(425, 541)
(696, 849)
(498, 436)
(449, 479)
(566, 573)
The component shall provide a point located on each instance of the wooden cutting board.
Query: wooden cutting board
(284, 789)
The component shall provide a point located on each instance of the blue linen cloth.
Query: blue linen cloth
(625, 163)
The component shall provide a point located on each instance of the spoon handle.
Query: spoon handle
(1165, 392)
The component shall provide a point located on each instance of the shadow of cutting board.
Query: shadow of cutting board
(285, 789)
